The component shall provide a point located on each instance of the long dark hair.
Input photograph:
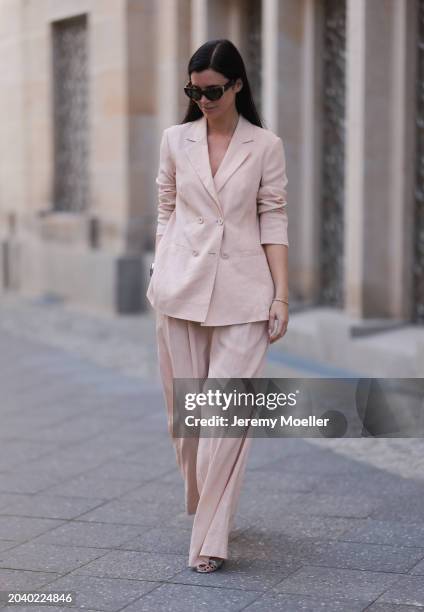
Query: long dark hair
(223, 56)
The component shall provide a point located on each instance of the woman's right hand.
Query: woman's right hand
(278, 321)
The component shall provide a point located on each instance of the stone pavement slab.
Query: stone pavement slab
(164, 539)
(135, 565)
(372, 557)
(188, 598)
(386, 607)
(107, 594)
(22, 528)
(418, 569)
(83, 533)
(393, 533)
(285, 602)
(50, 506)
(39, 557)
(407, 590)
(322, 581)
(245, 574)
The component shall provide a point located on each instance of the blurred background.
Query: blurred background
(89, 85)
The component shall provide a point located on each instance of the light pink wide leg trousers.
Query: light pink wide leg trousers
(212, 468)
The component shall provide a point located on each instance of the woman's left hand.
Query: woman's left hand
(278, 316)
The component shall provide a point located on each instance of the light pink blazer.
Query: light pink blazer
(210, 265)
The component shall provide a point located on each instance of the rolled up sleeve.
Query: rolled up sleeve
(166, 185)
(272, 194)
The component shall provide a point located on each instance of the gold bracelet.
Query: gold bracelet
(280, 300)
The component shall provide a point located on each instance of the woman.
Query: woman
(219, 285)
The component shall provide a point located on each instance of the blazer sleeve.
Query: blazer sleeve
(272, 194)
(166, 184)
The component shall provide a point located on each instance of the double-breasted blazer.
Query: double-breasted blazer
(210, 265)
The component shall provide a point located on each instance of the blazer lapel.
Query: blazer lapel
(235, 155)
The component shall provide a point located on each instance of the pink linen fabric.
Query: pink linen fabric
(210, 265)
(212, 468)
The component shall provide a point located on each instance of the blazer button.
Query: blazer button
(224, 255)
(195, 253)
(220, 221)
(200, 219)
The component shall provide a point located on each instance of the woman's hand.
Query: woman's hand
(278, 317)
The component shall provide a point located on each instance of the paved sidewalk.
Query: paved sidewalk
(91, 501)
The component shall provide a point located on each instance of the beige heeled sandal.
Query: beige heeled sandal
(207, 567)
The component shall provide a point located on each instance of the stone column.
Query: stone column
(378, 156)
(270, 61)
(170, 38)
(403, 161)
(235, 23)
(199, 23)
(143, 81)
(306, 193)
(291, 107)
(172, 53)
(109, 126)
(13, 166)
(217, 19)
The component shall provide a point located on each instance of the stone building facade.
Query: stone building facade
(88, 86)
